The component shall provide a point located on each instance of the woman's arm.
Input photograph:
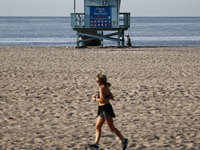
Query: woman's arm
(111, 96)
(102, 96)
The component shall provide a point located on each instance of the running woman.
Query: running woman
(105, 112)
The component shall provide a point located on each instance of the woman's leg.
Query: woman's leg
(111, 126)
(99, 124)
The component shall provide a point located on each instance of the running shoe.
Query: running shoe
(93, 146)
(125, 144)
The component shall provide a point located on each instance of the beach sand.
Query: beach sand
(45, 97)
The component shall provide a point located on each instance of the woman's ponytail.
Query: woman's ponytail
(108, 85)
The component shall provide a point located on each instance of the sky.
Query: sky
(137, 8)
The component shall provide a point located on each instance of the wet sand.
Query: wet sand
(45, 97)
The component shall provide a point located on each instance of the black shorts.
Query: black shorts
(106, 111)
(104, 115)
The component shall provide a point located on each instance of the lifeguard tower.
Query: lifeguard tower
(100, 16)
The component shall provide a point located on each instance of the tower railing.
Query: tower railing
(78, 20)
(124, 20)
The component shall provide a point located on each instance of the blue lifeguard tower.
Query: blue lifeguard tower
(100, 16)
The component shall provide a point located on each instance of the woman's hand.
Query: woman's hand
(94, 97)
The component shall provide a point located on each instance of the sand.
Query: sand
(45, 97)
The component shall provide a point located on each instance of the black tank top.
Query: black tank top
(106, 96)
